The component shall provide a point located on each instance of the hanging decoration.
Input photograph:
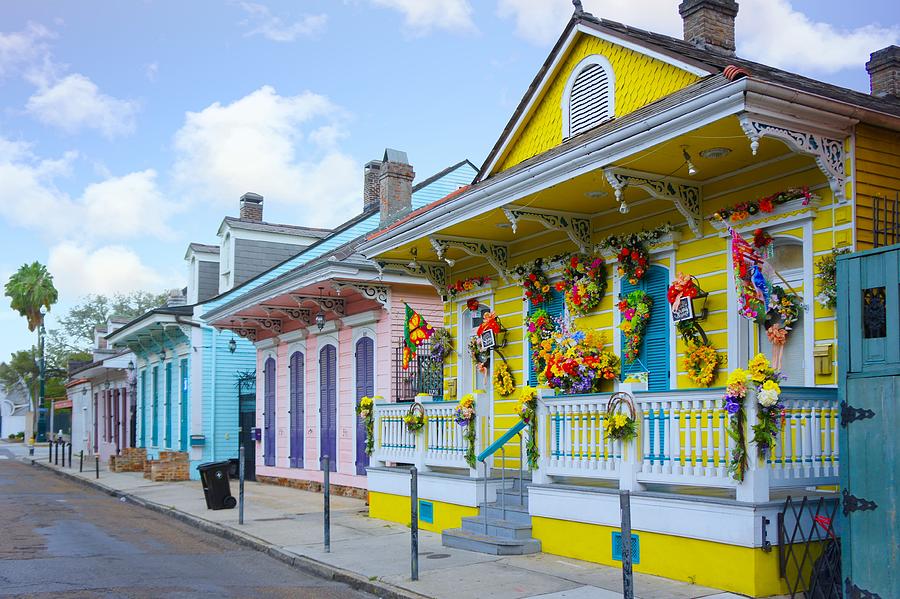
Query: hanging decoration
(461, 286)
(503, 379)
(701, 360)
(539, 326)
(765, 205)
(635, 311)
(526, 408)
(366, 413)
(768, 394)
(578, 362)
(735, 393)
(583, 282)
(464, 415)
(415, 417)
(761, 239)
(616, 424)
(749, 281)
(472, 304)
(784, 312)
(489, 336)
(481, 358)
(631, 250)
(415, 332)
(826, 274)
(441, 345)
(534, 281)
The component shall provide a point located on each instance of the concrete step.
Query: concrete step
(513, 513)
(471, 541)
(503, 529)
(511, 497)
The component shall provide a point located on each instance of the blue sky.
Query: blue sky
(129, 129)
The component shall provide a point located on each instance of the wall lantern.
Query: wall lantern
(320, 316)
(131, 366)
(232, 344)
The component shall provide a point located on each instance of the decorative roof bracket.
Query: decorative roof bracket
(576, 226)
(434, 272)
(241, 331)
(496, 254)
(376, 293)
(827, 152)
(685, 197)
(304, 315)
(269, 324)
(325, 303)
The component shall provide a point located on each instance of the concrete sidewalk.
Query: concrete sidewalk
(373, 555)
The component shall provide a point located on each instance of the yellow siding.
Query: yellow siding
(877, 174)
(640, 80)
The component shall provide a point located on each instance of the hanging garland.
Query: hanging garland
(534, 281)
(826, 272)
(784, 312)
(768, 393)
(635, 310)
(503, 379)
(366, 413)
(464, 415)
(745, 210)
(735, 392)
(631, 250)
(526, 408)
(461, 286)
(583, 282)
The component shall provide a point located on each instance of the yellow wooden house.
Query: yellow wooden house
(693, 149)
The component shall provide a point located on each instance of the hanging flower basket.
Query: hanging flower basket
(619, 425)
(415, 417)
(583, 282)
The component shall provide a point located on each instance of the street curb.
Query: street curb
(300, 562)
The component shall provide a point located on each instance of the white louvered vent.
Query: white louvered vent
(589, 103)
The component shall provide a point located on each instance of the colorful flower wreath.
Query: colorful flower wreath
(461, 286)
(631, 250)
(583, 282)
(441, 344)
(464, 415)
(539, 326)
(701, 361)
(526, 408)
(367, 415)
(784, 312)
(635, 310)
(744, 210)
(503, 379)
(534, 281)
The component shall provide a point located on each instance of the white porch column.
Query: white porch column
(755, 487)
(539, 475)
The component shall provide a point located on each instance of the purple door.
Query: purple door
(297, 365)
(365, 387)
(328, 404)
(269, 414)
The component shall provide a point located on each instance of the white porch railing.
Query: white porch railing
(440, 443)
(682, 440)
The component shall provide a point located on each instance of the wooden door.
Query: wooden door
(328, 405)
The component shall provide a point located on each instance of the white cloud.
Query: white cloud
(421, 17)
(152, 71)
(280, 146)
(264, 23)
(78, 270)
(130, 207)
(20, 49)
(761, 30)
(75, 102)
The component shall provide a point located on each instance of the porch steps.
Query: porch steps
(508, 529)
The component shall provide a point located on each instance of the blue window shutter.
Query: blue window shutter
(154, 414)
(297, 408)
(269, 418)
(654, 354)
(556, 308)
(143, 408)
(183, 420)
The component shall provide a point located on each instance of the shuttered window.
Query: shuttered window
(654, 353)
(297, 411)
(556, 308)
(590, 101)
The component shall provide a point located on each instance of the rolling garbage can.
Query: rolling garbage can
(234, 468)
(216, 488)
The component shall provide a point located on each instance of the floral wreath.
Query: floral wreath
(584, 283)
(733, 402)
(461, 286)
(784, 312)
(631, 250)
(367, 414)
(701, 360)
(480, 358)
(464, 415)
(635, 310)
(534, 281)
(745, 210)
(503, 379)
(617, 425)
(526, 408)
(539, 326)
(415, 418)
(441, 344)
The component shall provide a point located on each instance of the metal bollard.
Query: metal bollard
(50, 452)
(81, 461)
(70, 454)
(64, 454)
(241, 485)
(327, 493)
(56, 454)
(97, 465)
(414, 522)
(627, 576)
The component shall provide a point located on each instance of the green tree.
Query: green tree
(76, 332)
(31, 288)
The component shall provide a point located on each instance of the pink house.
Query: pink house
(327, 325)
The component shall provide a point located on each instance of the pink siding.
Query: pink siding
(282, 405)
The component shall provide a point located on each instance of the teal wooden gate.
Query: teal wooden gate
(869, 381)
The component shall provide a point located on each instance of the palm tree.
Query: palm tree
(31, 288)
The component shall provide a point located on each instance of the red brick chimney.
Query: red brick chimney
(395, 182)
(371, 185)
(884, 72)
(709, 24)
(251, 207)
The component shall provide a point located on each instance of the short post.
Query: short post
(50, 452)
(97, 465)
(70, 454)
(241, 484)
(64, 448)
(414, 522)
(327, 494)
(56, 454)
(627, 575)
(81, 461)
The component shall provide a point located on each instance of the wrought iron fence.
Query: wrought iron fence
(809, 549)
(886, 220)
(425, 373)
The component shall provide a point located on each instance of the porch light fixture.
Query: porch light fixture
(413, 264)
(131, 366)
(623, 207)
(450, 262)
(715, 153)
(692, 170)
(320, 316)
(232, 344)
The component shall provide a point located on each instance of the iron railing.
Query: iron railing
(809, 550)
(886, 220)
(425, 373)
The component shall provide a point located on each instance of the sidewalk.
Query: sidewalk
(373, 555)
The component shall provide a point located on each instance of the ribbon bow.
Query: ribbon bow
(489, 322)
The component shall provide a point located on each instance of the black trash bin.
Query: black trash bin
(216, 488)
(234, 468)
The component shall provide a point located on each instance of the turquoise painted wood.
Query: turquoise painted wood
(154, 415)
(183, 403)
(556, 308)
(167, 438)
(654, 353)
(143, 408)
(503, 440)
(868, 316)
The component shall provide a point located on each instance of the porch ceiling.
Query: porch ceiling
(591, 195)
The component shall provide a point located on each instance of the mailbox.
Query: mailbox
(256, 434)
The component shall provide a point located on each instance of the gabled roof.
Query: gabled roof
(674, 49)
(203, 247)
(249, 225)
(185, 310)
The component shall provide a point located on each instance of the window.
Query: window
(786, 257)
(589, 96)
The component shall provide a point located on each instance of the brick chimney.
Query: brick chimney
(709, 24)
(395, 183)
(371, 186)
(884, 72)
(251, 207)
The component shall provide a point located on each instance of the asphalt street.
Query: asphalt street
(62, 539)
